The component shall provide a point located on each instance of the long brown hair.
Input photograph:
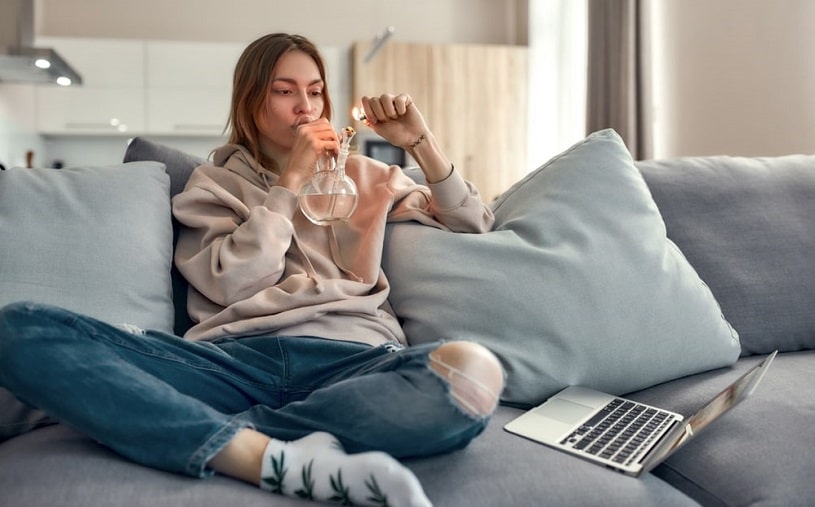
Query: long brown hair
(250, 86)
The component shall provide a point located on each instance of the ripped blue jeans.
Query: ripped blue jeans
(173, 404)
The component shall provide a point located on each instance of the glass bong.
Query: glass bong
(330, 196)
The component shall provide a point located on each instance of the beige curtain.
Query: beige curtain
(619, 87)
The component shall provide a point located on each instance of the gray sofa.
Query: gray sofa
(746, 227)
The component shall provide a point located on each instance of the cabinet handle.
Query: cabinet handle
(90, 126)
(197, 126)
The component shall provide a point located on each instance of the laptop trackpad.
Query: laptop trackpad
(564, 411)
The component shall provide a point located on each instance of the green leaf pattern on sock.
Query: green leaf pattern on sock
(279, 472)
(341, 491)
(307, 491)
(377, 496)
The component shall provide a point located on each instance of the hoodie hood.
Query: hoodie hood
(237, 159)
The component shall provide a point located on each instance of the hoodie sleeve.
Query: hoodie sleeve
(452, 203)
(228, 250)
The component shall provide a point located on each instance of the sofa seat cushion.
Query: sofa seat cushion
(57, 467)
(746, 225)
(576, 284)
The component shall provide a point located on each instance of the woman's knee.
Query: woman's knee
(13, 316)
(475, 375)
(21, 326)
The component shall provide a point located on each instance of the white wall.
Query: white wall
(326, 22)
(17, 130)
(557, 77)
(735, 77)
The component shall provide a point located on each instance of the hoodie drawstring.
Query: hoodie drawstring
(310, 271)
(334, 246)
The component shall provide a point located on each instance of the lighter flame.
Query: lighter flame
(358, 113)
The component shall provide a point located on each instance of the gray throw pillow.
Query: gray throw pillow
(95, 240)
(748, 227)
(576, 284)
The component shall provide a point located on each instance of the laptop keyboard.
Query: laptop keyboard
(620, 432)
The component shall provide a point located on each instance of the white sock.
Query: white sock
(317, 468)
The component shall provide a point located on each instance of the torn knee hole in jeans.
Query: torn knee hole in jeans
(469, 393)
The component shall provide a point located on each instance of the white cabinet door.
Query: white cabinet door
(132, 87)
(111, 99)
(97, 111)
(191, 112)
(189, 86)
(176, 64)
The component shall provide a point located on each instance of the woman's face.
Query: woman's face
(294, 97)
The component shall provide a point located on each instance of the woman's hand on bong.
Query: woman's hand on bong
(312, 142)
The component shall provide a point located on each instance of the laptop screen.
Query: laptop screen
(731, 396)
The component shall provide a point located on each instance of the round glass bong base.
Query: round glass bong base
(328, 198)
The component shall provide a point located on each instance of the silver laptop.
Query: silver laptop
(621, 434)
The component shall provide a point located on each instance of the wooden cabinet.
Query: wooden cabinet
(474, 98)
(111, 98)
(189, 86)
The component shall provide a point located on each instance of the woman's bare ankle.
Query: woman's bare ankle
(242, 457)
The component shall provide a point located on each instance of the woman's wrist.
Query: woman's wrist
(433, 162)
(292, 180)
(419, 140)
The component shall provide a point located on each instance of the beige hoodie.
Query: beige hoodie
(256, 265)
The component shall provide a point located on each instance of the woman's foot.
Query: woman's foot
(317, 468)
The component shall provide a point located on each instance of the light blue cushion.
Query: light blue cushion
(577, 284)
(96, 240)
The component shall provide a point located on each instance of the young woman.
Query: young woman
(296, 376)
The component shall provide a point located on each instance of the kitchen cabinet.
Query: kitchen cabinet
(189, 86)
(111, 98)
(473, 97)
(133, 87)
(92, 111)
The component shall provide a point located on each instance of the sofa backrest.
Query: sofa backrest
(744, 223)
(179, 166)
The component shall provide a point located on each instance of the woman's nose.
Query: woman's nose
(304, 104)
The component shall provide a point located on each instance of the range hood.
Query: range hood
(20, 61)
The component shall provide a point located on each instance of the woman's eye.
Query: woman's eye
(283, 92)
(316, 93)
